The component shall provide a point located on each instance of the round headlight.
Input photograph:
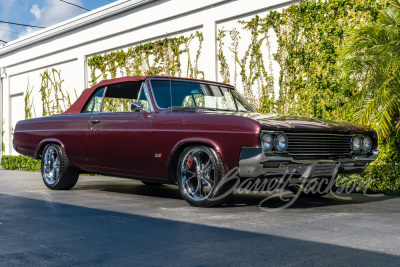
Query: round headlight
(281, 142)
(356, 143)
(267, 142)
(366, 144)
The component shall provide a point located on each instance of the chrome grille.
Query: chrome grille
(317, 145)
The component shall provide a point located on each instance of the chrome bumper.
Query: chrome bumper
(254, 163)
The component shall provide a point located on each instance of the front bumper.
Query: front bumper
(254, 163)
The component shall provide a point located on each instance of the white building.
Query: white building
(66, 46)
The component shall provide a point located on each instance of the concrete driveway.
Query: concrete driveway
(113, 222)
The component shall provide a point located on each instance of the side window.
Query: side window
(119, 96)
(94, 104)
(111, 104)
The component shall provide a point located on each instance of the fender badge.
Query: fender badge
(158, 155)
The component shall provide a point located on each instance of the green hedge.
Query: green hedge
(20, 163)
(377, 178)
(24, 163)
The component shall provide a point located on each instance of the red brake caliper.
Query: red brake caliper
(190, 163)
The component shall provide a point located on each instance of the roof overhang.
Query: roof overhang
(73, 23)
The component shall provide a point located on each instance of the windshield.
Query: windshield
(200, 95)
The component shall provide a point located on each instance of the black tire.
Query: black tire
(216, 193)
(57, 174)
(151, 183)
(317, 188)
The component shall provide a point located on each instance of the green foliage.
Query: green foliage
(29, 107)
(257, 74)
(371, 56)
(161, 57)
(20, 163)
(310, 36)
(223, 65)
(379, 177)
(54, 99)
(257, 83)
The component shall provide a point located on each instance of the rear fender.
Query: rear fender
(46, 141)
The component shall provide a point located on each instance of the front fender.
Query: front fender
(198, 140)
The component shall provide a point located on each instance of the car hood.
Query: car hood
(302, 124)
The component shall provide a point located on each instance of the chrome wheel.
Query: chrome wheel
(197, 170)
(51, 165)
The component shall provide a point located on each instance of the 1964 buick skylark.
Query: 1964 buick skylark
(187, 132)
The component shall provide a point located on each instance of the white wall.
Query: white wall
(121, 24)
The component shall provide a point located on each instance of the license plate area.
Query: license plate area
(314, 170)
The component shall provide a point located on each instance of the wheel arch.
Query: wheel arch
(43, 143)
(178, 149)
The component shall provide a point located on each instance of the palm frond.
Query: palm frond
(371, 58)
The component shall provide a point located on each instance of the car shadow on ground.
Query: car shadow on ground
(354, 202)
(36, 233)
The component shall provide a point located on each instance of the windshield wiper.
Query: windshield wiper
(191, 108)
(231, 110)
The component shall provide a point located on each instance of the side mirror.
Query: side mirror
(137, 107)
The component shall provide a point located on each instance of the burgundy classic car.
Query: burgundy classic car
(187, 132)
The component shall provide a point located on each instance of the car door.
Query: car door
(118, 142)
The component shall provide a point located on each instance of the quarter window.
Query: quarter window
(94, 104)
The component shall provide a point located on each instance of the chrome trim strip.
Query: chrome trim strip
(295, 133)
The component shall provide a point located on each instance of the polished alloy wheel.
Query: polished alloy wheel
(197, 173)
(51, 167)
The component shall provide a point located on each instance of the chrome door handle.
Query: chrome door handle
(94, 121)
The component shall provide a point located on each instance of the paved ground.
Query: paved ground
(111, 222)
